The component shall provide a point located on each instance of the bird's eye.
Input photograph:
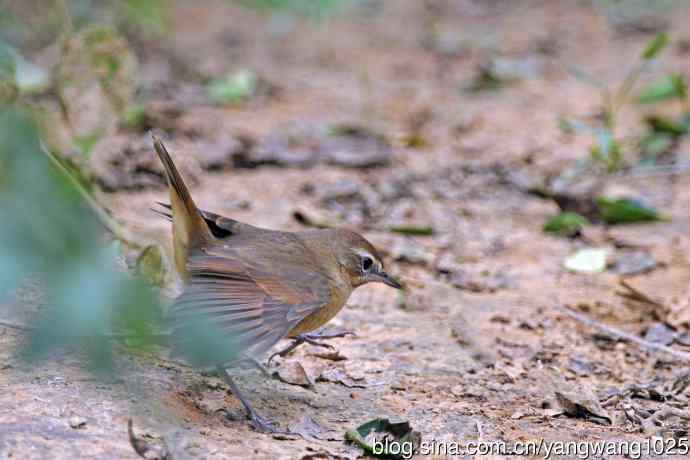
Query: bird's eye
(367, 263)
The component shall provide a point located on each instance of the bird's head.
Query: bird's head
(360, 260)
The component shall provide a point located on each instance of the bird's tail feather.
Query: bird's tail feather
(189, 227)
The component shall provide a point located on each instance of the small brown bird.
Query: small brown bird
(258, 286)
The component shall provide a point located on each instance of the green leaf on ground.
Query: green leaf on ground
(664, 125)
(565, 224)
(382, 437)
(624, 210)
(418, 230)
(233, 88)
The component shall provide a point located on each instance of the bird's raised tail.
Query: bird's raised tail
(189, 228)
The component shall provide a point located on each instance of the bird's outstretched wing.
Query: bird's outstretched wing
(244, 299)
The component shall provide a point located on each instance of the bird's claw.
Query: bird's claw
(316, 343)
(264, 426)
(312, 339)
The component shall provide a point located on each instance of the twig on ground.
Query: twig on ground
(642, 343)
(649, 424)
(635, 294)
(631, 414)
(110, 224)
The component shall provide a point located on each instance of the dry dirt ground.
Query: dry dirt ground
(477, 350)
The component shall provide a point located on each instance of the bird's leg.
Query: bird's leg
(257, 422)
(271, 375)
(313, 339)
(256, 364)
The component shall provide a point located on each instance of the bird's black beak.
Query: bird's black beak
(385, 278)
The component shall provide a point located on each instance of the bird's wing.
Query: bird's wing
(220, 226)
(250, 297)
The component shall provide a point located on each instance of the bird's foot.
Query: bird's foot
(312, 339)
(264, 426)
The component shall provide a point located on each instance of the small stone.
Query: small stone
(660, 333)
(77, 422)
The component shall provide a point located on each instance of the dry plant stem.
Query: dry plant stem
(631, 415)
(644, 344)
(106, 220)
(649, 425)
(636, 294)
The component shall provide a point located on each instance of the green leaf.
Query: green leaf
(685, 122)
(317, 9)
(86, 143)
(8, 65)
(234, 88)
(607, 151)
(148, 15)
(387, 438)
(624, 210)
(664, 125)
(135, 115)
(667, 87)
(566, 224)
(419, 230)
(656, 143)
(655, 46)
(588, 260)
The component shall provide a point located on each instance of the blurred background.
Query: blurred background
(507, 156)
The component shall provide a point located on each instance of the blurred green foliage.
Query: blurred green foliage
(234, 88)
(607, 151)
(310, 8)
(50, 230)
(147, 15)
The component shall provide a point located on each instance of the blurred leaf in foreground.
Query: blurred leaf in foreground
(49, 229)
